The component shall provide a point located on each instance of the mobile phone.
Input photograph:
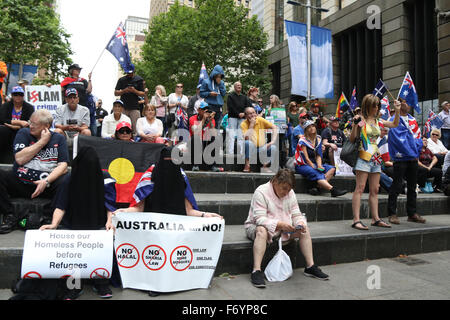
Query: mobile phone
(298, 227)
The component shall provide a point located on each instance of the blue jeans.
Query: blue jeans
(251, 150)
(385, 181)
(445, 137)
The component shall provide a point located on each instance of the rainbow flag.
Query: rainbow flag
(341, 105)
(368, 148)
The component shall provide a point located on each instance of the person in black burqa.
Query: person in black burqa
(86, 202)
(169, 192)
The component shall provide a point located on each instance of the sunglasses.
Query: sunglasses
(435, 134)
(124, 131)
(179, 86)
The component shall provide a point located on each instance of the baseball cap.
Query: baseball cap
(203, 105)
(23, 81)
(307, 124)
(333, 118)
(444, 103)
(119, 102)
(130, 69)
(303, 114)
(123, 124)
(71, 91)
(17, 89)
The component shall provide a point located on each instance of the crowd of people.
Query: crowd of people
(40, 143)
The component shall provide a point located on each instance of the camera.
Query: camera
(72, 122)
(356, 121)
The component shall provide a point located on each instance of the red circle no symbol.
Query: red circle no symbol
(128, 257)
(182, 256)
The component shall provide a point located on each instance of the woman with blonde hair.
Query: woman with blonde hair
(159, 100)
(368, 166)
(149, 128)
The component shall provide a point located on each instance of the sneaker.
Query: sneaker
(315, 272)
(72, 294)
(336, 192)
(416, 218)
(314, 192)
(394, 219)
(195, 168)
(216, 169)
(258, 279)
(103, 291)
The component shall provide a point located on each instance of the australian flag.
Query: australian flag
(385, 109)
(118, 47)
(409, 93)
(353, 100)
(203, 74)
(433, 122)
(380, 89)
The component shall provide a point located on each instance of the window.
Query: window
(279, 21)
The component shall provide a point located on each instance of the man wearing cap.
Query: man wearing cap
(201, 128)
(83, 86)
(316, 116)
(3, 74)
(333, 139)
(130, 87)
(72, 119)
(236, 104)
(213, 91)
(112, 120)
(298, 130)
(40, 162)
(23, 83)
(445, 129)
(14, 115)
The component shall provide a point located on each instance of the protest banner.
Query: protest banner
(53, 254)
(43, 97)
(167, 253)
(342, 168)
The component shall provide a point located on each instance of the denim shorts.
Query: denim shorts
(367, 166)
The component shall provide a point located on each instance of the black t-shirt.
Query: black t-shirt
(81, 86)
(45, 161)
(100, 113)
(336, 137)
(130, 100)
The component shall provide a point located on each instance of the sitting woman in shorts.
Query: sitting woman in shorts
(308, 157)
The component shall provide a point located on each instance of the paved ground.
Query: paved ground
(426, 277)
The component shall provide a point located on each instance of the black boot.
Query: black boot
(8, 225)
(336, 192)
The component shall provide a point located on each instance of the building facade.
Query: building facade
(372, 39)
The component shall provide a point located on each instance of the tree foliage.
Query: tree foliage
(215, 32)
(30, 33)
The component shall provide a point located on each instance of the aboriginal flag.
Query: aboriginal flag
(125, 161)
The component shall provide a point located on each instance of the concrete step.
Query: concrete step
(235, 207)
(334, 242)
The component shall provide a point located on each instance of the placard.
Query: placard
(342, 168)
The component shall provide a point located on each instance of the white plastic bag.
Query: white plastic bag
(280, 267)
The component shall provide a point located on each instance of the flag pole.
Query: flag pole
(98, 59)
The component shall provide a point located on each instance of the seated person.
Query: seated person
(427, 162)
(149, 128)
(446, 175)
(308, 159)
(85, 201)
(202, 134)
(14, 115)
(124, 132)
(274, 213)
(41, 160)
(254, 131)
(165, 188)
(298, 131)
(332, 138)
(436, 146)
(72, 119)
(111, 121)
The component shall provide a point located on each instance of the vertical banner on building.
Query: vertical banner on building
(43, 97)
(322, 85)
(165, 252)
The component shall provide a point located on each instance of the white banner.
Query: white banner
(53, 254)
(342, 168)
(43, 97)
(166, 253)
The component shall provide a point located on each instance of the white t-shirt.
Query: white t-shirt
(173, 99)
(144, 127)
(436, 147)
(445, 117)
(110, 124)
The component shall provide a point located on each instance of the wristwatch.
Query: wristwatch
(48, 183)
